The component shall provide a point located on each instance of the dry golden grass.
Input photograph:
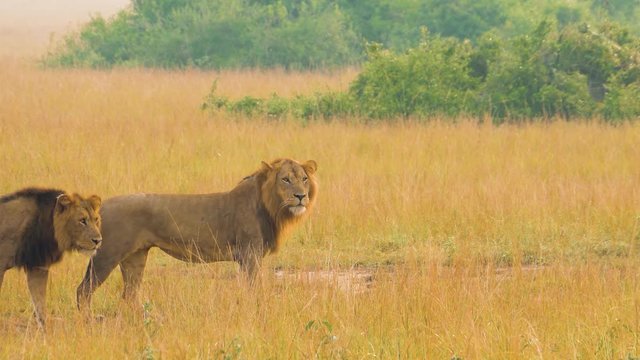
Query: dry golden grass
(460, 240)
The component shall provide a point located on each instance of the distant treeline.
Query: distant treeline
(574, 72)
(507, 59)
(302, 34)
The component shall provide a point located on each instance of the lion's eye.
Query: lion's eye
(83, 222)
(286, 180)
(305, 179)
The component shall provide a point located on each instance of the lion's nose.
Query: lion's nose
(300, 196)
(97, 240)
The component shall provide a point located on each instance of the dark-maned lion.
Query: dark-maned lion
(37, 227)
(241, 225)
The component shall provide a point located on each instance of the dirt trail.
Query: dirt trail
(354, 280)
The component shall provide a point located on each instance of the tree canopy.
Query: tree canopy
(307, 33)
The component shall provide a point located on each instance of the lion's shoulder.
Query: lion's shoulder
(41, 197)
(37, 244)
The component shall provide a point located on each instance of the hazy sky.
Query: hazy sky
(54, 12)
(26, 25)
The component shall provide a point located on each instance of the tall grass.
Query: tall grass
(476, 241)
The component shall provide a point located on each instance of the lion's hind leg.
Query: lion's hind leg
(132, 269)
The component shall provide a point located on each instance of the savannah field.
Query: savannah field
(436, 240)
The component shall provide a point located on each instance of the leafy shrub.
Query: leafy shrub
(326, 106)
(621, 102)
(314, 33)
(213, 101)
(558, 73)
(247, 106)
(213, 34)
(433, 78)
(537, 75)
(276, 107)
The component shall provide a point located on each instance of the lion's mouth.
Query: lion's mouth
(88, 252)
(297, 210)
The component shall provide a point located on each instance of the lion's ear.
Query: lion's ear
(267, 166)
(310, 167)
(63, 201)
(95, 202)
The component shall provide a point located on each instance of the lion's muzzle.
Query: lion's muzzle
(97, 241)
(298, 209)
(301, 206)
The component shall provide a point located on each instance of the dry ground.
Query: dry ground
(429, 240)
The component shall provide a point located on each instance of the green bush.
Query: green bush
(213, 34)
(276, 107)
(621, 102)
(547, 73)
(567, 73)
(313, 33)
(325, 106)
(433, 78)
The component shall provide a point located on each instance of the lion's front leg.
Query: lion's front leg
(37, 281)
(250, 265)
(250, 259)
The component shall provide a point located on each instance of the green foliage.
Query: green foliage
(431, 79)
(463, 19)
(326, 106)
(562, 73)
(310, 33)
(213, 34)
(620, 10)
(520, 84)
(397, 23)
(496, 57)
(621, 102)
(232, 352)
(569, 72)
(100, 44)
(247, 106)
(323, 106)
(276, 107)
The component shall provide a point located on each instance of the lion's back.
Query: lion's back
(16, 213)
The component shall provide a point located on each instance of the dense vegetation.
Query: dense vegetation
(306, 33)
(503, 58)
(213, 34)
(575, 72)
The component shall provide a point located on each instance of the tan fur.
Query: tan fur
(273, 199)
(67, 233)
(37, 227)
(241, 225)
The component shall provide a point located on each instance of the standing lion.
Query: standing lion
(241, 225)
(37, 227)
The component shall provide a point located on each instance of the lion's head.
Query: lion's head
(288, 189)
(76, 223)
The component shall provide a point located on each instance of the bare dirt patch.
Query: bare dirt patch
(355, 280)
